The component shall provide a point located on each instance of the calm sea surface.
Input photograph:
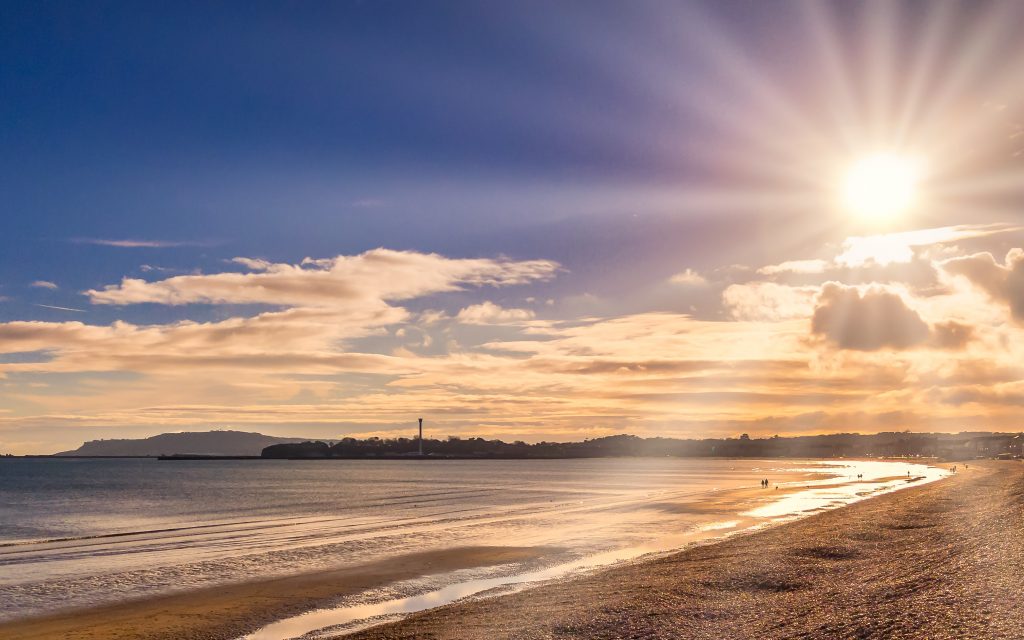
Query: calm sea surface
(84, 532)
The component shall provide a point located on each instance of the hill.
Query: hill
(223, 443)
(941, 445)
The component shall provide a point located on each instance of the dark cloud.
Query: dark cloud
(878, 319)
(982, 395)
(1004, 282)
(951, 335)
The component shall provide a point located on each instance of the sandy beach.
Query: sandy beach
(229, 611)
(938, 561)
(931, 561)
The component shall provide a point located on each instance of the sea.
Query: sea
(86, 532)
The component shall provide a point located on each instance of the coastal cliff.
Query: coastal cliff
(221, 443)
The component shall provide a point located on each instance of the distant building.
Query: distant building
(994, 445)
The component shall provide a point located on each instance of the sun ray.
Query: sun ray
(973, 54)
(878, 52)
(926, 59)
(835, 70)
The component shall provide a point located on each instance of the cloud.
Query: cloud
(340, 351)
(688, 277)
(253, 264)
(305, 339)
(380, 274)
(876, 319)
(899, 247)
(908, 257)
(489, 313)
(148, 268)
(331, 304)
(649, 373)
(768, 301)
(951, 335)
(139, 244)
(432, 316)
(795, 266)
(44, 284)
(1003, 282)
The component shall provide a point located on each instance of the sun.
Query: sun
(882, 185)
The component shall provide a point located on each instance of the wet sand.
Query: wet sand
(227, 612)
(314, 517)
(570, 608)
(943, 560)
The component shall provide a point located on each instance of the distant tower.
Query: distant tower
(421, 436)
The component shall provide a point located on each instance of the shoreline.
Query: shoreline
(352, 618)
(429, 456)
(233, 610)
(940, 560)
(238, 609)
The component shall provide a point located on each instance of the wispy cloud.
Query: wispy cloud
(768, 301)
(688, 277)
(130, 243)
(50, 306)
(489, 313)
(795, 266)
(44, 284)
(899, 247)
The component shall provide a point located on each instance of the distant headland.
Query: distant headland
(218, 443)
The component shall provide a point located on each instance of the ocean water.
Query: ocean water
(76, 533)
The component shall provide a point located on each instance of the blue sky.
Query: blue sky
(653, 154)
(318, 128)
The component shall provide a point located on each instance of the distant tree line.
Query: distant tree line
(890, 444)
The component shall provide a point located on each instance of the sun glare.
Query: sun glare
(881, 186)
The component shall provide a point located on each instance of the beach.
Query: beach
(942, 560)
(82, 535)
(227, 612)
(939, 557)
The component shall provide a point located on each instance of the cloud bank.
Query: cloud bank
(358, 344)
(380, 274)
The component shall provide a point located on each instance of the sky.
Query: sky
(530, 220)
